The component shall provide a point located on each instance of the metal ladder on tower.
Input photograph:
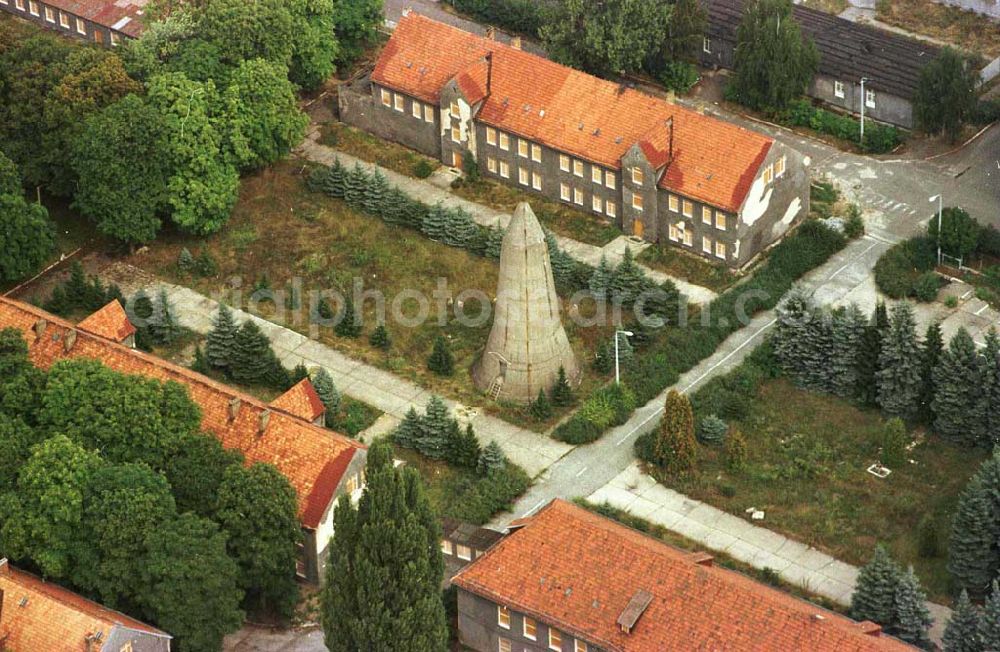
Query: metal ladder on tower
(495, 387)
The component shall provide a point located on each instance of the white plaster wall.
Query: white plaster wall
(468, 134)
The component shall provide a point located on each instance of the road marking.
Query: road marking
(977, 313)
(580, 472)
(852, 261)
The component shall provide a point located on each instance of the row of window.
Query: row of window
(577, 196)
(677, 233)
(838, 91)
(598, 175)
(397, 101)
(774, 170)
(50, 15)
(462, 552)
(529, 628)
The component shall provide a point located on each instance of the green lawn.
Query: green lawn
(364, 145)
(808, 455)
(687, 267)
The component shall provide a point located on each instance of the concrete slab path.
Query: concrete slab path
(532, 451)
(432, 193)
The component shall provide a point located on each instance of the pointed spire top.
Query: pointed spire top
(524, 227)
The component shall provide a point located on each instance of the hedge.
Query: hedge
(900, 271)
(484, 496)
(522, 16)
(879, 138)
(681, 348)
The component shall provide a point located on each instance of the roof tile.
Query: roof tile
(110, 322)
(301, 401)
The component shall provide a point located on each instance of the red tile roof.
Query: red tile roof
(597, 120)
(123, 16)
(312, 458)
(578, 571)
(110, 322)
(39, 615)
(301, 401)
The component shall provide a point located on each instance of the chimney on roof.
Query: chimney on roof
(491, 33)
(406, 11)
(69, 340)
(489, 72)
(868, 628)
(670, 123)
(635, 608)
(515, 42)
(265, 417)
(40, 328)
(702, 559)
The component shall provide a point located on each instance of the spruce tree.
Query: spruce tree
(494, 239)
(322, 382)
(628, 280)
(380, 338)
(871, 350)
(540, 408)
(164, 329)
(219, 345)
(143, 317)
(972, 551)
(912, 620)
(957, 402)
(990, 400)
(185, 261)
(791, 346)
(561, 262)
(335, 183)
(604, 358)
(441, 361)
(436, 427)
(600, 280)
(385, 567)
(898, 378)
(461, 230)
(675, 443)
(817, 373)
(299, 373)
(408, 432)
(464, 447)
(376, 194)
(492, 459)
(930, 355)
(350, 321)
(435, 223)
(253, 359)
(848, 334)
(989, 624)
(875, 593)
(562, 393)
(962, 632)
(355, 185)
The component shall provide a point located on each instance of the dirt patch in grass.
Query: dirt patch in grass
(966, 30)
(279, 232)
(807, 461)
(365, 146)
(687, 267)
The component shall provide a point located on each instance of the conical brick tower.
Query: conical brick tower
(527, 343)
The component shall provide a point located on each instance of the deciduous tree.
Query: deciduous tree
(26, 239)
(946, 94)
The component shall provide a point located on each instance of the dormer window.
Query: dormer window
(637, 176)
(454, 110)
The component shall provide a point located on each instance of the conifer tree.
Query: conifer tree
(142, 316)
(990, 400)
(350, 321)
(628, 279)
(322, 382)
(385, 566)
(436, 426)
(600, 280)
(464, 447)
(355, 185)
(957, 402)
(817, 374)
(604, 358)
(441, 361)
(185, 261)
(409, 430)
(562, 393)
(220, 343)
(989, 625)
(625, 351)
(494, 238)
(335, 183)
(972, 551)
(875, 593)
(898, 377)
(930, 355)
(893, 443)
(164, 328)
(562, 263)
(492, 459)
(848, 333)
(540, 408)
(871, 350)
(912, 620)
(253, 359)
(460, 229)
(435, 223)
(962, 632)
(675, 443)
(396, 204)
(299, 373)
(380, 338)
(376, 193)
(791, 346)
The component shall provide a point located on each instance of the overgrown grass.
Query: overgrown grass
(964, 29)
(688, 267)
(834, 7)
(366, 146)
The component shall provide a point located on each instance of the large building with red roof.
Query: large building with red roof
(654, 169)
(106, 22)
(569, 580)
(36, 615)
(319, 463)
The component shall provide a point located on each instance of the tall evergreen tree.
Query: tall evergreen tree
(350, 321)
(972, 552)
(463, 447)
(817, 373)
(946, 94)
(930, 355)
(385, 567)
(962, 632)
(220, 343)
(791, 346)
(957, 403)
(355, 184)
(628, 280)
(675, 442)
(848, 335)
(989, 625)
(871, 350)
(407, 433)
(441, 361)
(335, 182)
(491, 459)
(253, 359)
(990, 400)
(898, 377)
(875, 593)
(376, 194)
(436, 428)
(600, 280)
(912, 620)
(164, 328)
(562, 393)
(322, 382)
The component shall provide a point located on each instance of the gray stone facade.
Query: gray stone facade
(62, 21)
(479, 628)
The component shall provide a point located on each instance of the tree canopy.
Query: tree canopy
(946, 94)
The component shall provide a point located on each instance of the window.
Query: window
(400, 103)
(610, 209)
(81, 27)
(454, 110)
(720, 250)
(536, 181)
(126, 648)
(522, 148)
(838, 89)
(504, 141)
(720, 220)
(779, 167)
(504, 170)
(503, 616)
(504, 645)
(536, 153)
(3, 2)
(580, 646)
(530, 628)
(706, 45)
(428, 113)
(636, 201)
(595, 174)
(578, 168)
(563, 192)
(463, 552)
(50, 15)
(491, 136)
(19, 4)
(564, 163)
(115, 39)
(688, 209)
(578, 196)
(555, 639)
(386, 98)
(33, 7)
(637, 176)
(706, 244)
(417, 111)
(609, 180)
(706, 215)
(64, 20)
(768, 174)
(446, 547)
(674, 233)
(352, 484)
(595, 203)
(673, 203)
(456, 134)
(491, 164)
(689, 238)
(522, 176)
(869, 98)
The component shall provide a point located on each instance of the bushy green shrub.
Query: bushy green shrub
(422, 169)
(522, 16)
(879, 138)
(854, 225)
(926, 286)
(712, 430)
(900, 268)
(482, 497)
(607, 407)
(679, 76)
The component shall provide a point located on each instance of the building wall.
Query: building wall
(722, 55)
(93, 32)
(888, 108)
(642, 221)
(478, 628)
(360, 105)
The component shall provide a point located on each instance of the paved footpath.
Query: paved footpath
(431, 194)
(530, 450)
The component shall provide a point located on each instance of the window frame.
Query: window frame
(706, 215)
(780, 166)
(638, 176)
(674, 234)
(688, 238)
(504, 140)
(534, 627)
(596, 203)
(447, 548)
(610, 209)
(81, 27)
(536, 180)
(706, 244)
(523, 148)
(458, 552)
(565, 193)
(491, 136)
(491, 164)
(504, 645)
(455, 110)
(838, 89)
(33, 8)
(609, 179)
(536, 152)
(578, 197)
(580, 646)
(768, 176)
(706, 45)
(417, 110)
(673, 203)
(504, 170)
(64, 20)
(386, 96)
(399, 102)
(19, 5)
(555, 644)
(577, 168)
(456, 133)
(503, 616)
(596, 175)
(870, 98)
(637, 203)
(719, 245)
(523, 176)
(428, 113)
(687, 208)
(721, 220)
(50, 15)
(564, 163)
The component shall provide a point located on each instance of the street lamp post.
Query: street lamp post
(617, 333)
(940, 210)
(863, 80)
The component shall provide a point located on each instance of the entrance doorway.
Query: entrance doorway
(456, 160)
(637, 228)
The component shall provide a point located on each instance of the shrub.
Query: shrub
(926, 287)
(607, 407)
(899, 269)
(893, 453)
(422, 169)
(928, 538)
(522, 16)
(736, 450)
(490, 494)
(854, 225)
(679, 76)
(441, 361)
(712, 430)
(879, 138)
